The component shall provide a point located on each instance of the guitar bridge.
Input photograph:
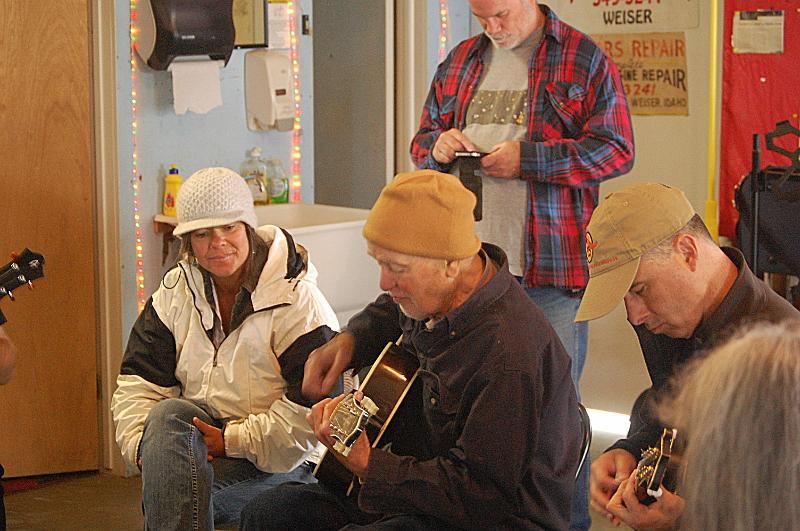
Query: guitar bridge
(349, 420)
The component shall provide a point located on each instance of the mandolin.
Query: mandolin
(652, 466)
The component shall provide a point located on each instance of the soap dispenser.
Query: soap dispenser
(254, 171)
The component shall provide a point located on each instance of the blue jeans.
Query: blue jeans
(560, 307)
(293, 506)
(181, 489)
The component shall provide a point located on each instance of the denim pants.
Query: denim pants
(560, 307)
(294, 506)
(181, 489)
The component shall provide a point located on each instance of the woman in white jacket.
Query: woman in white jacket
(208, 401)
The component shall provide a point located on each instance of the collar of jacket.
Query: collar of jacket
(734, 305)
(463, 318)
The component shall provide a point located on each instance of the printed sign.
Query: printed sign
(652, 67)
(757, 31)
(627, 16)
(278, 24)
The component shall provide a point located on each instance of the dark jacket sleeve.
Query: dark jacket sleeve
(645, 430)
(151, 352)
(293, 361)
(661, 354)
(373, 327)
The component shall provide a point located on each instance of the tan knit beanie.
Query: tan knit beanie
(424, 213)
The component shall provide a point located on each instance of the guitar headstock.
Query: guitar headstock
(652, 466)
(23, 269)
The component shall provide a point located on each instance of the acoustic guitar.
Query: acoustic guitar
(652, 467)
(23, 269)
(384, 388)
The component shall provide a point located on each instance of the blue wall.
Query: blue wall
(192, 141)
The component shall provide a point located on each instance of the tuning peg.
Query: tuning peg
(11, 295)
(14, 256)
(30, 284)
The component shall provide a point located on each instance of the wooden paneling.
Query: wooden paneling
(48, 413)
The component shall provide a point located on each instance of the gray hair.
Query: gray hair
(695, 227)
(739, 410)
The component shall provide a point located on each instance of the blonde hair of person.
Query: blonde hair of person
(738, 410)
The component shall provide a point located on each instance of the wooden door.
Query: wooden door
(48, 412)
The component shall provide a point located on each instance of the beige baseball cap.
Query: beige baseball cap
(627, 224)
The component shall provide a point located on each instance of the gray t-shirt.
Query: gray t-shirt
(498, 111)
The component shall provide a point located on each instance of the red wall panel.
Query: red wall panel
(758, 90)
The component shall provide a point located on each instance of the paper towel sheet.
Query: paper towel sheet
(195, 86)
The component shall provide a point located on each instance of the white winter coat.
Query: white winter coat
(240, 382)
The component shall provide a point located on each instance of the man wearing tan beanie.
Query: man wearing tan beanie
(500, 434)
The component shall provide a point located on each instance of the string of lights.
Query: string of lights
(444, 29)
(295, 183)
(136, 178)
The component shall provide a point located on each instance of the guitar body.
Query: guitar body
(387, 384)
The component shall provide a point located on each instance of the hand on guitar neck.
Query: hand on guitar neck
(641, 501)
(661, 514)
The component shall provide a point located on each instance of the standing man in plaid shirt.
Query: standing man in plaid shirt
(547, 106)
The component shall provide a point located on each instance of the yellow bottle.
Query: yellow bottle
(172, 182)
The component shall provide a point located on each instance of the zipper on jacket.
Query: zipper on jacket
(267, 309)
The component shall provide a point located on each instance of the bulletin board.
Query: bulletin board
(759, 89)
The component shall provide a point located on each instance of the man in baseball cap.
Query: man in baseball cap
(646, 246)
(498, 446)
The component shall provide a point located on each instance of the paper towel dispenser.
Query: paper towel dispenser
(170, 29)
(268, 90)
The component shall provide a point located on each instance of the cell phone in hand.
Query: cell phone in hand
(468, 164)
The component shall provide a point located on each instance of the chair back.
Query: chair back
(586, 439)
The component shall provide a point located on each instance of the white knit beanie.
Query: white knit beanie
(212, 197)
